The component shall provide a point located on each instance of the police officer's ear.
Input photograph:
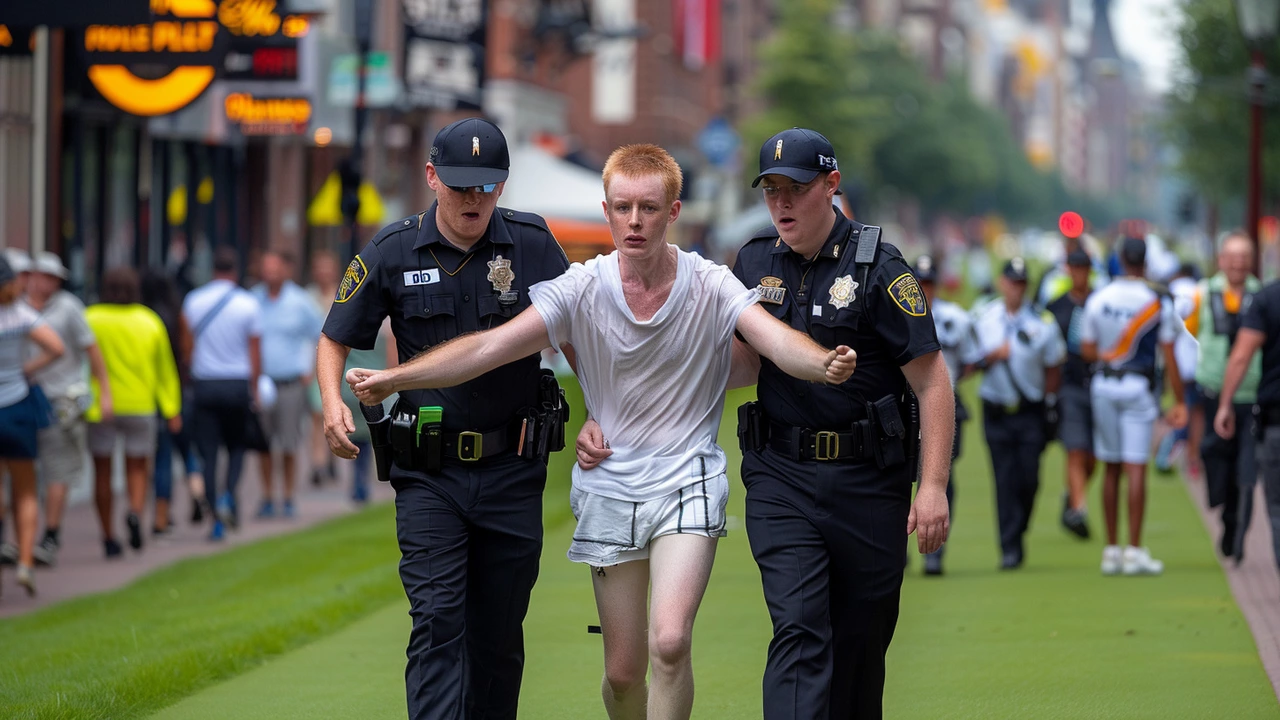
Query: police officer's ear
(433, 178)
(832, 183)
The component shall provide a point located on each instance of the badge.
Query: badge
(770, 290)
(907, 295)
(501, 276)
(842, 292)
(352, 279)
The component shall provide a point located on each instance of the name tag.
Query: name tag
(422, 277)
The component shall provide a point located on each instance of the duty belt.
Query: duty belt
(470, 446)
(800, 443)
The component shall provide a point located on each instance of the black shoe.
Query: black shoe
(932, 564)
(197, 512)
(8, 554)
(1074, 522)
(1011, 561)
(112, 548)
(46, 552)
(135, 531)
(1228, 543)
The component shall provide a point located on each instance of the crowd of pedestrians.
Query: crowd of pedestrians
(172, 384)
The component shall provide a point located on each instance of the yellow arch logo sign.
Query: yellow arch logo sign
(187, 35)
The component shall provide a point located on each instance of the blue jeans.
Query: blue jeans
(166, 443)
(364, 461)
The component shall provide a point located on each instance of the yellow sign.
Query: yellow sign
(267, 116)
(325, 208)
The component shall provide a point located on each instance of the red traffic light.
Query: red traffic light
(1071, 224)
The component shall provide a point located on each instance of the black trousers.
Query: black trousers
(1016, 441)
(1230, 469)
(470, 538)
(218, 418)
(830, 540)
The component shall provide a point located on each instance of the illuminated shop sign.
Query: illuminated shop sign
(268, 115)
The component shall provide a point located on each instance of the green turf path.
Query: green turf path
(1055, 639)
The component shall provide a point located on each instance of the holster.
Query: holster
(751, 429)
(380, 440)
(886, 431)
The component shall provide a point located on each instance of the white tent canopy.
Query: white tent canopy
(553, 188)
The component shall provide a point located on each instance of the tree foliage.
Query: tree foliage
(894, 129)
(1209, 108)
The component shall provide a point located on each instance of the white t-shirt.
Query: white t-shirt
(1185, 348)
(1129, 322)
(17, 319)
(656, 387)
(221, 351)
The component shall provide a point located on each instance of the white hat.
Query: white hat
(49, 264)
(18, 260)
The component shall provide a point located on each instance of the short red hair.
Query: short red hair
(645, 159)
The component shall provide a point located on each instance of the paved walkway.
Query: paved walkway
(83, 570)
(1255, 583)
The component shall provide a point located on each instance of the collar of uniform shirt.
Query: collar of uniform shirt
(839, 232)
(429, 234)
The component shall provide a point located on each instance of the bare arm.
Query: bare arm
(98, 369)
(456, 361)
(744, 370)
(46, 338)
(793, 351)
(929, 517)
(1089, 351)
(255, 366)
(331, 360)
(1177, 415)
(1248, 342)
(186, 341)
(1052, 380)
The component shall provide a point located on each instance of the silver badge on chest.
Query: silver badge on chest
(842, 292)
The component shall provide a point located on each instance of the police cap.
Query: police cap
(796, 153)
(925, 270)
(469, 153)
(1016, 270)
(1079, 258)
(1133, 251)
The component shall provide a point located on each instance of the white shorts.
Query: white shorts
(1124, 415)
(613, 531)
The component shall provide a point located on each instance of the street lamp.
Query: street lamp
(1258, 21)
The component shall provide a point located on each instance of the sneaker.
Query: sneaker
(288, 511)
(111, 548)
(135, 531)
(933, 564)
(8, 554)
(46, 552)
(1138, 561)
(26, 578)
(1075, 522)
(1112, 560)
(268, 510)
(217, 534)
(226, 513)
(1011, 560)
(197, 512)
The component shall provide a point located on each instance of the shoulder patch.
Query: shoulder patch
(352, 279)
(524, 218)
(907, 295)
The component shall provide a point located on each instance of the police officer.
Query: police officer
(1075, 408)
(468, 507)
(1259, 330)
(828, 469)
(955, 335)
(1218, 307)
(1021, 353)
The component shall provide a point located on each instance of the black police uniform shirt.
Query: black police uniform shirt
(896, 326)
(1263, 315)
(1069, 315)
(433, 292)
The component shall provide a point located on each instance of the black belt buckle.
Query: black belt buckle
(470, 446)
(826, 445)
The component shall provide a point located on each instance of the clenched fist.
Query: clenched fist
(840, 364)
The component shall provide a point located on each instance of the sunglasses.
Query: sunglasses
(478, 188)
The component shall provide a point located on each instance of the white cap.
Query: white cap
(19, 260)
(49, 264)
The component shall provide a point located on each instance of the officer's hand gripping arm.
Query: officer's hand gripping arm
(930, 515)
(454, 362)
(792, 351)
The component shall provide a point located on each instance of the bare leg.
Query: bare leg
(1111, 500)
(102, 494)
(1137, 500)
(135, 477)
(289, 461)
(622, 601)
(1079, 468)
(680, 566)
(55, 504)
(268, 468)
(26, 509)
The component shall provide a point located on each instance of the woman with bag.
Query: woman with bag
(144, 379)
(22, 414)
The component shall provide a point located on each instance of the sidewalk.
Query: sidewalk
(83, 570)
(1255, 583)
